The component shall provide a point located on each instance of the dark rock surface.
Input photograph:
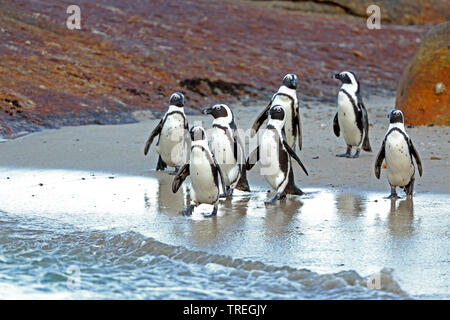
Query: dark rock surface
(131, 55)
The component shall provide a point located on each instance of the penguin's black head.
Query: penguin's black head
(395, 116)
(348, 77)
(177, 99)
(197, 133)
(290, 81)
(276, 112)
(217, 111)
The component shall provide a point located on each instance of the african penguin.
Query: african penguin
(398, 150)
(286, 96)
(171, 131)
(351, 116)
(227, 147)
(274, 153)
(204, 172)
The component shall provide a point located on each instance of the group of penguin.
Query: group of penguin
(221, 154)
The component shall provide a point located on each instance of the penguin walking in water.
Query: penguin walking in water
(227, 148)
(398, 150)
(274, 153)
(171, 132)
(286, 96)
(351, 117)
(204, 172)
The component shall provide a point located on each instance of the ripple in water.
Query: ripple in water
(37, 257)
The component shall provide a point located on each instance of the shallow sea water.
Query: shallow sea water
(77, 235)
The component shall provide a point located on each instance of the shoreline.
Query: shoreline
(97, 178)
(119, 148)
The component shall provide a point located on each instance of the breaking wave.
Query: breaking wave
(36, 257)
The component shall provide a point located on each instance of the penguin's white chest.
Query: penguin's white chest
(223, 149)
(347, 121)
(270, 160)
(202, 179)
(171, 141)
(288, 127)
(399, 166)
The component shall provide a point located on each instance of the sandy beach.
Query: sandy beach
(97, 181)
(119, 148)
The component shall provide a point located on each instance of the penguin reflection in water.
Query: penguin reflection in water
(204, 171)
(171, 132)
(398, 150)
(274, 154)
(351, 117)
(228, 148)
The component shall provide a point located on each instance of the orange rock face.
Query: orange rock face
(423, 91)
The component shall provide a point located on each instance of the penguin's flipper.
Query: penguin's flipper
(242, 183)
(365, 120)
(154, 133)
(252, 159)
(413, 152)
(299, 128)
(379, 160)
(260, 119)
(219, 170)
(336, 128)
(180, 177)
(238, 144)
(294, 155)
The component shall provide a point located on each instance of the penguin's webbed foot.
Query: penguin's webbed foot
(346, 154)
(277, 197)
(393, 195)
(212, 214)
(356, 155)
(343, 155)
(188, 211)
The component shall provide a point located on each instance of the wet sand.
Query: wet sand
(103, 181)
(119, 149)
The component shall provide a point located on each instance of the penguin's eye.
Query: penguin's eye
(217, 107)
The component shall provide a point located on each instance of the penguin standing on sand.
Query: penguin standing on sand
(351, 117)
(171, 131)
(227, 148)
(274, 153)
(398, 150)
(286, 96)
(204, 172)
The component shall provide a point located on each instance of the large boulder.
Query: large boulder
(392, 11)
(423, 91)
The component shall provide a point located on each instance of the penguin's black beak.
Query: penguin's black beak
(336, 76)
(207, 110)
